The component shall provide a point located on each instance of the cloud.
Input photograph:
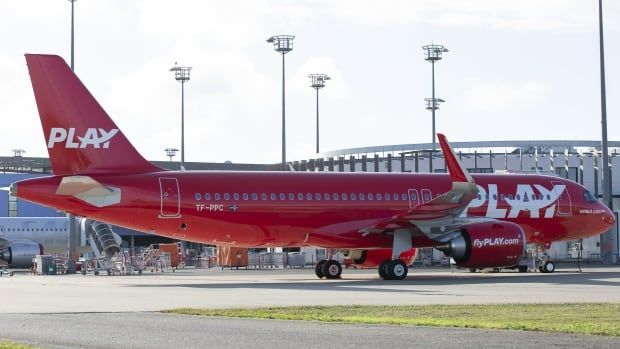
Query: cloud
(484, 96)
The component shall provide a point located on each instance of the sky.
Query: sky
(515, 70)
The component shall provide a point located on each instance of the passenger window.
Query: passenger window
(217, 197)
(291, 196)
(197, 196)
(282, 197)
(335, 196)
(207, 196)
(395, 196)
(362, 197)
(403, 197)
(379, 196)
(245, 196)
(236, 196)
(327, 197)
(263, 196)
(494, 196)
(273, 196)
(370, 197)
(254, 196)
(317, 196)
(353, 196)
(518, 196)
(387, 197)
(226, 196)
(345, 196)
(300, 196)
(309, 196)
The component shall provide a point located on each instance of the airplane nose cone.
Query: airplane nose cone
(608, 218)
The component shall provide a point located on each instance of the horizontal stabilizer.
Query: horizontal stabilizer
(89, 190)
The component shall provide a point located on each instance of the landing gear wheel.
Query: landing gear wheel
(548, 267)
(383, 270)
(397, 269)
(332, 269)
(473, 270)
(318, 270)
(523, 269)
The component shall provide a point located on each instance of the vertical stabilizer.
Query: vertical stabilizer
(80, 136)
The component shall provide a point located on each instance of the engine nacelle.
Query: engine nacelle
(487, 245)
(372, 258)
(19, 255)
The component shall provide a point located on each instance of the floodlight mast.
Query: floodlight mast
(433, 54)
(181, 74)
(171, 152)
(283, 44)
(317, 82)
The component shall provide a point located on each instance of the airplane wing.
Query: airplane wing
(439, 218)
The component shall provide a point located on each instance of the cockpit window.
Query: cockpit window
(588, 197)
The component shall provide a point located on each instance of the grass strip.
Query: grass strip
(11, 345)
(584, 318)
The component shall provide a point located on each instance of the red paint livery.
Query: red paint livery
(98, 174)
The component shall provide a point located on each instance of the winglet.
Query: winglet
(457, 172)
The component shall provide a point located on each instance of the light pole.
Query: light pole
(181, 74)
(283, 44)
(317, 82)
(433, 54)
(72, 35)
(171, 152)
(608, 237)
(73, 231)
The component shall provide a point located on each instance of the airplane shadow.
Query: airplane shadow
(352, 284)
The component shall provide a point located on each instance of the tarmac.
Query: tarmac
(217, 288)
(77, 311)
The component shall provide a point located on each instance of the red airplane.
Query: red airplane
(377, 219)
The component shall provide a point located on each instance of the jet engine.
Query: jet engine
(372, 258)
(487, 245)
(19, 255)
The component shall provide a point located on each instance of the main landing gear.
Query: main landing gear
(393, 269)
(329, 269)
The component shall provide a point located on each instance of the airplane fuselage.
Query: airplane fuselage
(319, 208)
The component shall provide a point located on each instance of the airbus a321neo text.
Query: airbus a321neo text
(377, 219)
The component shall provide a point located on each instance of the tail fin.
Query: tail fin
(81, 137)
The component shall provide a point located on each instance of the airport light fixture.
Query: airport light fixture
(283, 44)
(18, 153)
(433, 106)
(171, 152)
(433, 53)
(181, 74)
(317, 82)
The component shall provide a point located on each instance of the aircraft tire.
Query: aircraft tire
(318, 270)
(397, 269)
(332, 269)
(383, 270)
(473, 270)
(548, 267)
(523, 269)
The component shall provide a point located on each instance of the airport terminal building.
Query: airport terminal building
(577, 160)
